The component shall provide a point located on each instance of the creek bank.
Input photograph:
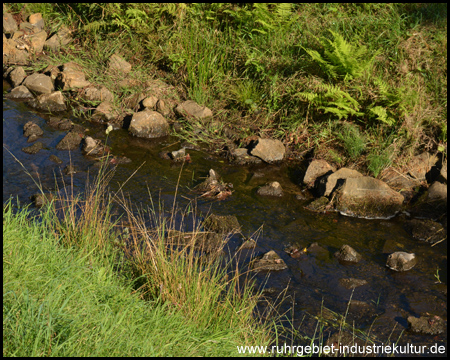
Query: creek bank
(216, 189)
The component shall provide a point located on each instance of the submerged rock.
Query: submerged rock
(348, 254)
(241, 156)
(401, 261)
(319, 205)
(202, 241)
(426, 230)
(352, 283)
(222, 224)
(33, 149)
(247, 244)
(270, 261)
(40, 199)
(430, 325)
(70, 142)
(32, 131)
(271, 189)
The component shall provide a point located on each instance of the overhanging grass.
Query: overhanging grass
(63, 301)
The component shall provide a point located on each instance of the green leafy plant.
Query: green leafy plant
(353, 141)
(341, 59)
(331, 99)
(378, 160)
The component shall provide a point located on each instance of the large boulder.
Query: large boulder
(338, 178)
(368, 198)
(316, 169)
(149, 124)
(268, 150)
(39, 84)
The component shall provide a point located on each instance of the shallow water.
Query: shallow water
(311, 280)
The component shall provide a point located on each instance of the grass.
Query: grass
(282, 70)
(75, 283)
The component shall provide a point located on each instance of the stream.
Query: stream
(313, 280)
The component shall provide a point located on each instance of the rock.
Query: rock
(202, 241)
(71, 79)
(316, 169)
(421, 164)
(32, 131)
(92, 93)
(9, 24)
(55, 159)
(430, 325)
(60, 123)
(398, 181)
(271, 189)
(60, 39)
(433, 203)
(425, 230)
(247, 244)
(191, 109)
(53, 102)
(343, 344)
(242, 157)
(149, 124)
(319, 205)
(92, 147)
(70, 142)
(341, 174)
(368, 198)
(37, 41)
(41, 199)
(14, 52)
(401, 261)
(222, 224)
(295, 251)
(51, 71)
(214, 187)
(17, 76)
(149, 102)
(120, 160)
(269, 261)
(348, 254)
(162, 108)
(118, 64)
(179, 155)
(39, 84)
(33, 149)
(20, 92)
(104, 113)
(268, 150)
(70, 170)
(352, 283)
(27, 28)
(36, 20)
(444, 170)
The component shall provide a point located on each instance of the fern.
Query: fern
(331, 99)
(382, 115)
(342, 59)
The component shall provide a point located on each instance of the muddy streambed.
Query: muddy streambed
(314, 279)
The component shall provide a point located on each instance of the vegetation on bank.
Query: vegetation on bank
(76, 283)
(362, 84)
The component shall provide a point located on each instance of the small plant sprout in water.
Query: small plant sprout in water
(437, 276)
